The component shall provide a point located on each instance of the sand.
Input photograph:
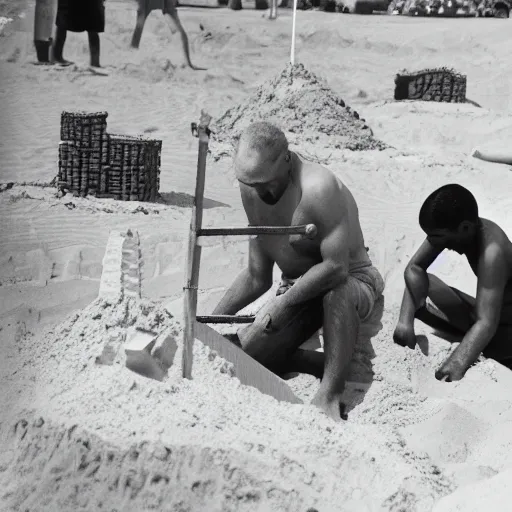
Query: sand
(79, 435)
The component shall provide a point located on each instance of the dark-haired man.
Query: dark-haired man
(328, 281)
(449, 217)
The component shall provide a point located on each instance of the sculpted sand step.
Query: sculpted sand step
(121, 267)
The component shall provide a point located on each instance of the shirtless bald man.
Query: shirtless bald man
(449, 217)
(328, 281)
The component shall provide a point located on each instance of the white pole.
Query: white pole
(292, 53)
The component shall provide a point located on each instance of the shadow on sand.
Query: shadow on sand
(186, 200)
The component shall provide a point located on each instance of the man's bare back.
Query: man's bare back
(494, 242)
(293, 254)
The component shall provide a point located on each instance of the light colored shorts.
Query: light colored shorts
(304, 320)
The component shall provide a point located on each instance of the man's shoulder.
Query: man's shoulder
(317, 179)
(495, 251)
(495, 243)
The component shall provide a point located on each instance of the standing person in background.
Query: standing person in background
(170, 9)
(79, 16)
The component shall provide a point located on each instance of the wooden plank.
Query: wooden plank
(194, 250)
(248, 371)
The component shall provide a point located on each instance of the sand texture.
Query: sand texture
(79, 431)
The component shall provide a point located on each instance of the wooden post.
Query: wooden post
(194, 250)
(294, 18)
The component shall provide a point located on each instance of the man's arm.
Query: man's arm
(492, 279)
(331, 218)
(416, 281)
(250, 284)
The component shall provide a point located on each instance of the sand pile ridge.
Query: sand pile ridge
(304, 107)
(82, 432)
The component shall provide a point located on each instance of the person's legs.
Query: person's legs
(94, 48)
(454, 309)
(142, 14)
(277, 350)
(345, 308)
(58, 46)
(340, 327)
(171, 12)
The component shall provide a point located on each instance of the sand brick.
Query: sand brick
(148, 354)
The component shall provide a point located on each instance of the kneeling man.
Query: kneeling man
(449, 217)
(327, 282)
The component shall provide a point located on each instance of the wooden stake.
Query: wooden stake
(194, 250)
(292, 53)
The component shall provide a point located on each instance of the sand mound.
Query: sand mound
(449, 436)
(493, 492)
(109, 437)
(304, 107)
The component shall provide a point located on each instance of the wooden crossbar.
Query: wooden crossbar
(225, 319)
(306, 230)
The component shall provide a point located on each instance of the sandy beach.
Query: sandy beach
(78, 435)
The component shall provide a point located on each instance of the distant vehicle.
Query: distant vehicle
(362, 6)
(494, 8)
(371, 6)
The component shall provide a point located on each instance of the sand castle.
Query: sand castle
(94, 162)
(442, 84)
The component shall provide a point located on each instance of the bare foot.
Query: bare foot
(333, 407)
(63, 62)
(98, 70)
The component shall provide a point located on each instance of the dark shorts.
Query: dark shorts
(500, 346)
(81, 15)
(167, 6)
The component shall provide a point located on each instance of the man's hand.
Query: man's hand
(404, 335)
(451, 370)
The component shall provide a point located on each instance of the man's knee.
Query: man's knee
(341, 297)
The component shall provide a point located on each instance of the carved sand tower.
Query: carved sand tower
(444, 85)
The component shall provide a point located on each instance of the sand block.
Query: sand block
(247, 370)
(111, 284)
(121, 267)
(149, 354)
(493, 493)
